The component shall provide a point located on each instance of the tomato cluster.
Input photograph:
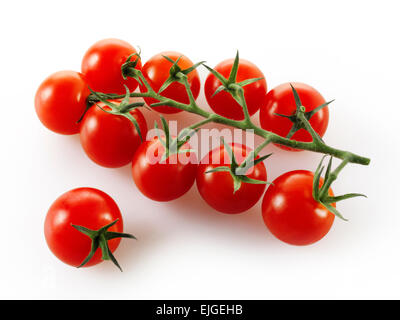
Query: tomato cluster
(64, 103)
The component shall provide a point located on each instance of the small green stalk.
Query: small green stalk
(100, 240)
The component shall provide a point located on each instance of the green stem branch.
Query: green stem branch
(316, 145)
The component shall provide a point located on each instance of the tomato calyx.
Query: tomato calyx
(122, 109)
(321, 195)
(238, 172)
(174, 145)
(300, 118)
(176, 73)
(128, 68)
(100, 240)
(230, 84)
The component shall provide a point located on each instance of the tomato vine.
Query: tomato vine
(300, 118)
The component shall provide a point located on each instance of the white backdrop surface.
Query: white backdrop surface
(348, 50)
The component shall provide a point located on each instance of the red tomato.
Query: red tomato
(290, 211)
(61, 100)
(102, 63)
(111, 140)
(162, 180)
(156, 71)
(216, 188)
(223, 103)
(87, 207)
(281, 100)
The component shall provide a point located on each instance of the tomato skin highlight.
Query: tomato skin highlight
(61, 100)
(102, 63)
(111, 140)
(223, 103)
(290, 211)
(217, 188)
(281, 100)
(87, 207)
(156, 71)
(163, 181)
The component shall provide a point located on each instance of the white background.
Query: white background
(348, 50)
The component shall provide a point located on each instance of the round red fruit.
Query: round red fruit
(60, 101)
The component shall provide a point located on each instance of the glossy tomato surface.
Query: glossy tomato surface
(87, 207)
(102, 63)
(223, 103)
(290, 211)
(163, 180)
(61, 100)
(111, 140)
(156, 71)
(281, 100)
(217, 188)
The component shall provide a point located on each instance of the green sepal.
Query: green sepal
(316, 178)
(244, 164)
(296, 98)
(309, 114)
(249, 81)
(219, 89)
(100, 240)
(343, 197)
(219, 76)
(135, 123)
(219, 169)
(114, 260)
(193, 67)
(237, 183)
(166, 84)
(159, 135)
(333, 210)
(261, 159)
(169, 59)
(238, 180)
(252, 181)
(234, 70)
(112, 235)
(231, 155)
(94, 246)
(104, 248)
(283, 115)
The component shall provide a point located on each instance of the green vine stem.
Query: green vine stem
(317, 145)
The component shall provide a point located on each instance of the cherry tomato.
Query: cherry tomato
(223, 103)
(102, 63)
(156, 71)
(163, 180)
(217, 188)
(87, 207)
(281, 100)
(111, 140)
(290, 211)
(61, 100)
